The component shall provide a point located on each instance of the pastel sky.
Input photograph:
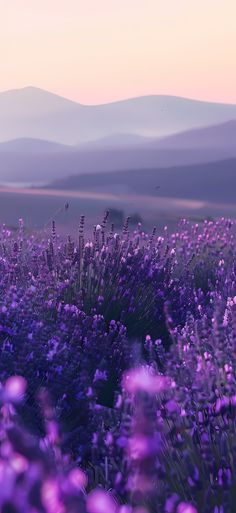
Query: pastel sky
(96, 51)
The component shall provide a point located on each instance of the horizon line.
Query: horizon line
(129, 98)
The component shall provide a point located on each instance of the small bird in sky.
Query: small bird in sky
(157, 187)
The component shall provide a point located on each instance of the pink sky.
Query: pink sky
(96, 51)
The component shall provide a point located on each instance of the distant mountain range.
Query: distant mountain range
(34, 160)
(37, 114)
(185, 146)
(221, 136)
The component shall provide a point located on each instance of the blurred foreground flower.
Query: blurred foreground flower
(99, 501)
(143, 379)
(15, 388)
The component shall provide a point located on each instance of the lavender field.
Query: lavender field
(117, 370)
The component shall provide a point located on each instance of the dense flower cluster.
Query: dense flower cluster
(134, 340)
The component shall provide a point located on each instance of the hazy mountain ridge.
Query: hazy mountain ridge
(33, 146)
(34, 113)
(223, 135)
(34, 168)
(118, 141)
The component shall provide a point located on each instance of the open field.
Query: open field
(38, 206)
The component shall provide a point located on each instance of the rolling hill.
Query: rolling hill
(218, 136)
(213, 182)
